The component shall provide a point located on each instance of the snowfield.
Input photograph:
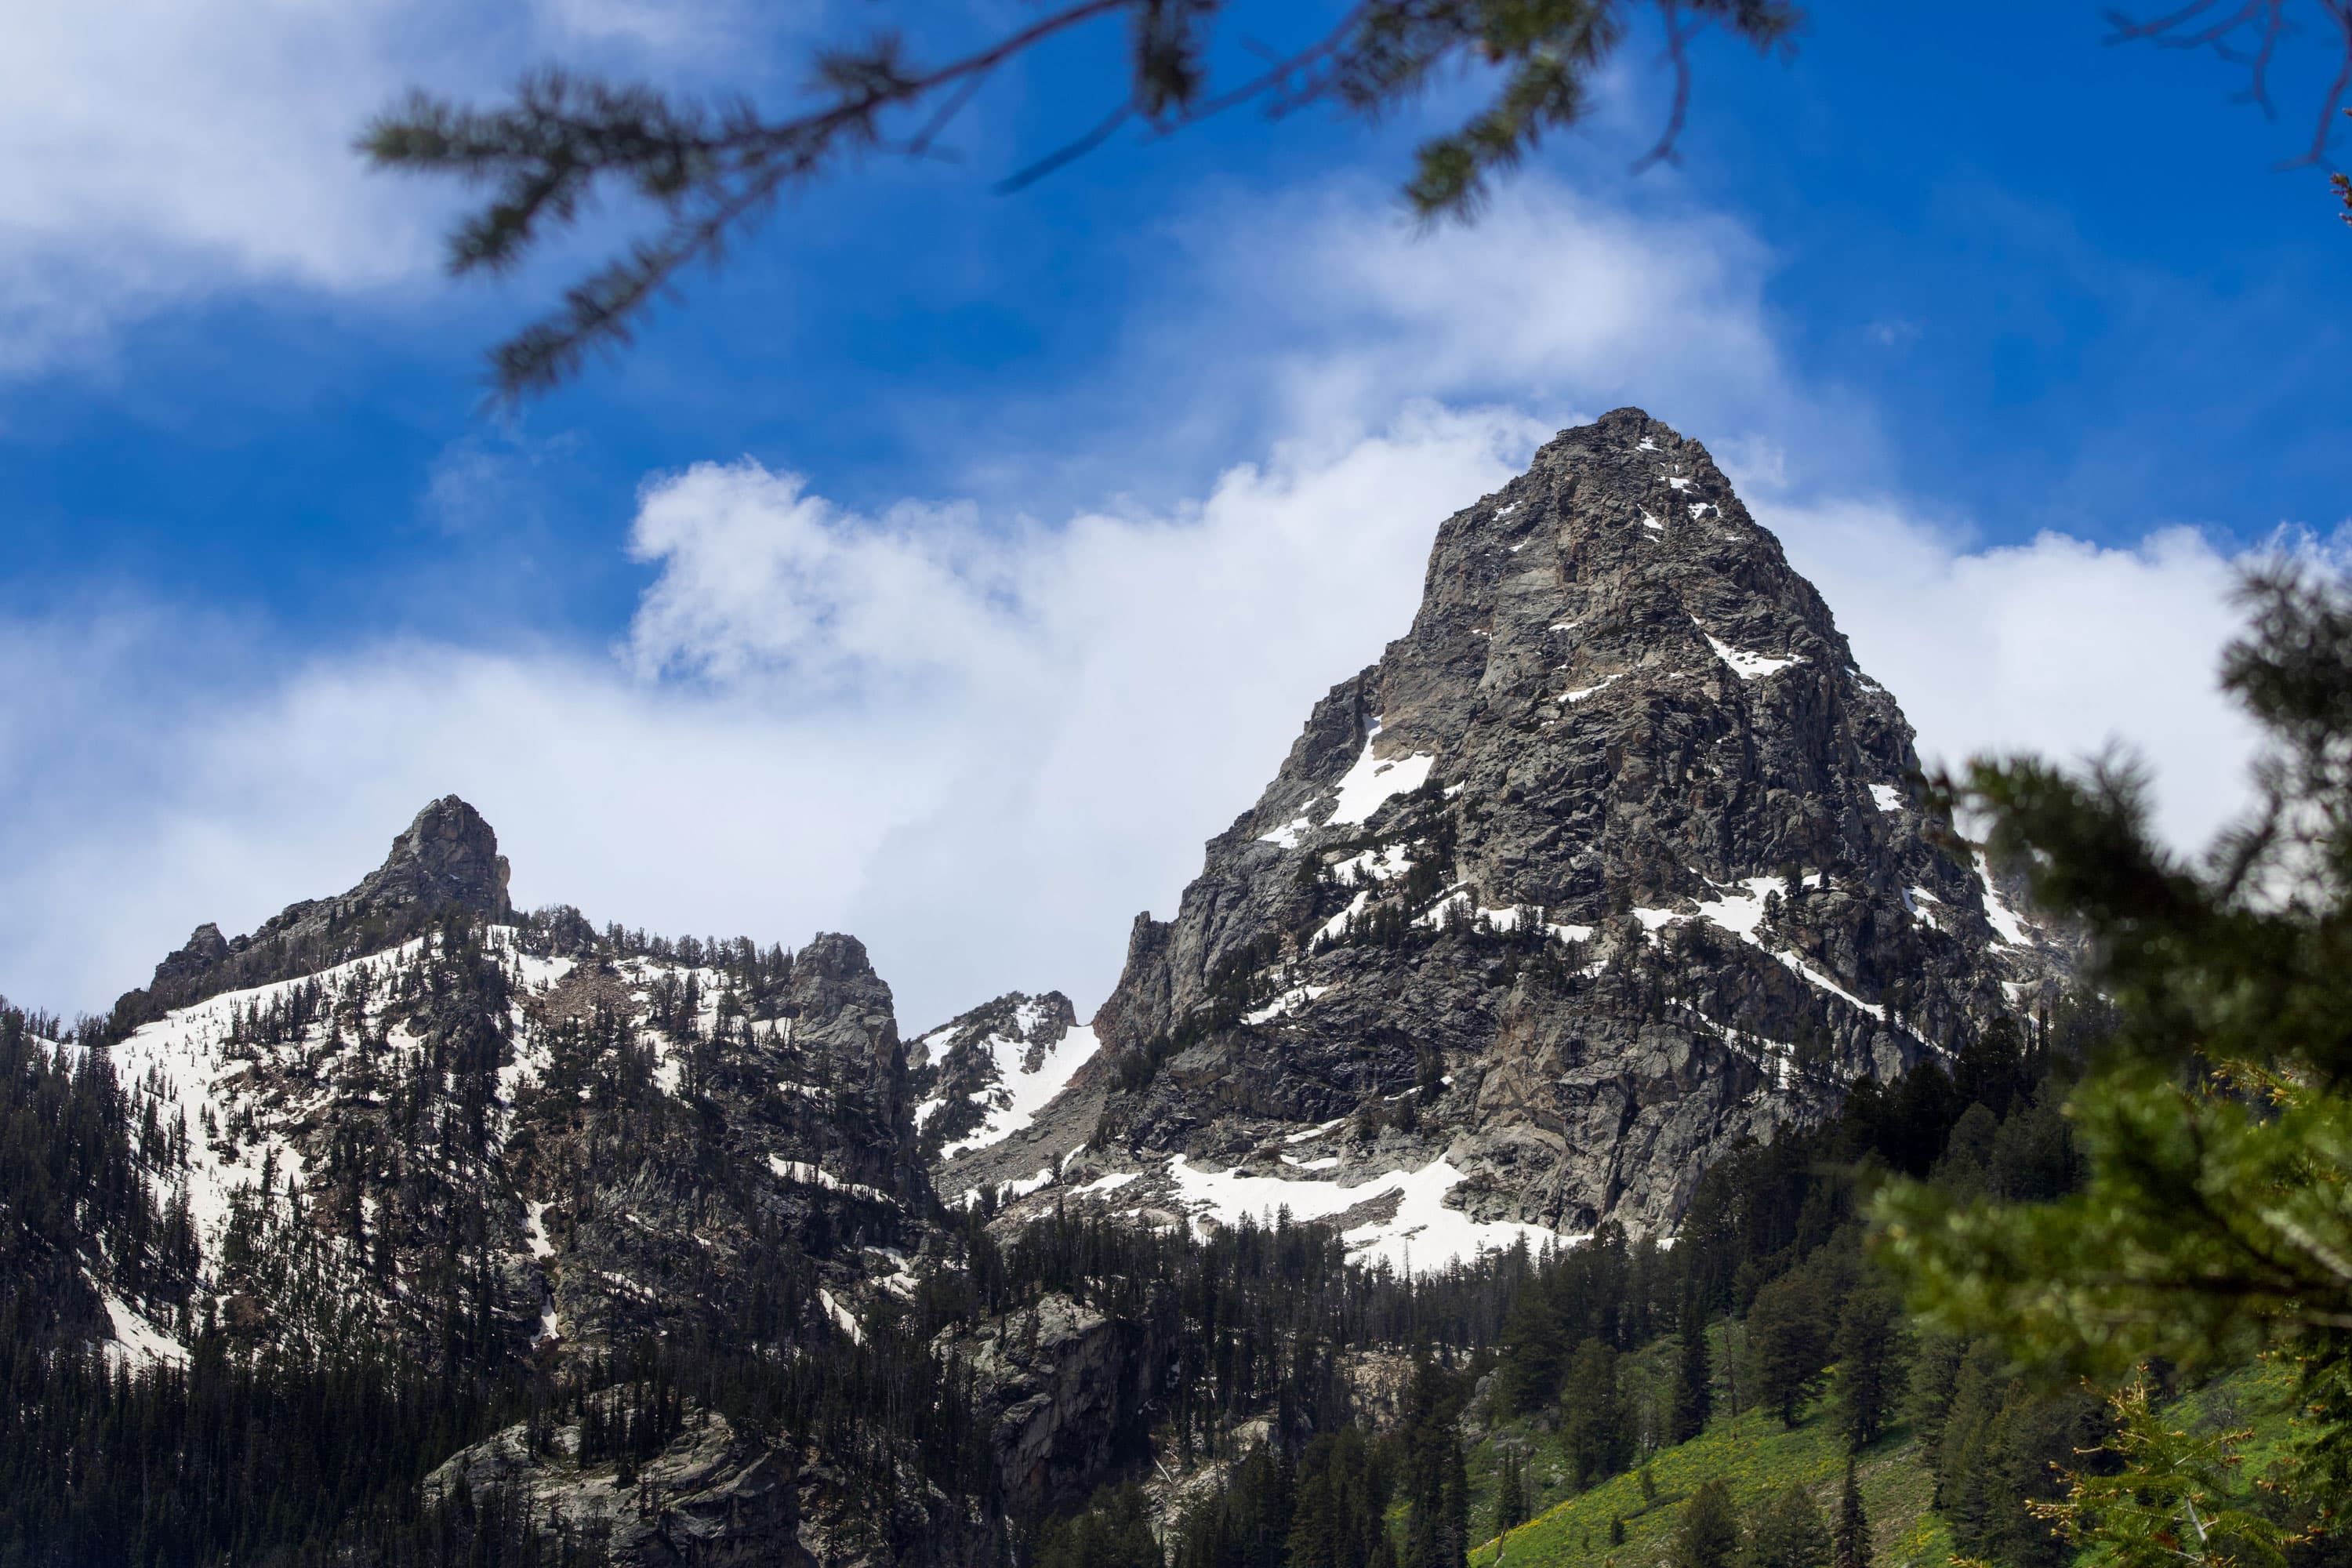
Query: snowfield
(1424, 1236)
(1020, 1094)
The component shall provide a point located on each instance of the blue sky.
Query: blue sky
(808, 611)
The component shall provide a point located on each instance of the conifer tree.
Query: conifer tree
(1593, 1425)
(2217, 1129)
(1868, 1369)
(1694, 1390)
(1788, 1532)
(705, 174)
(1457, 1507)
(1850, 1541)
(1707, 1535)
(1787, 1344)
(1510, 1492)
(2172, 1499)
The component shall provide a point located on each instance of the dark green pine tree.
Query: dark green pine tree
(1707, 1535)
(1870, 1373)
(1850, 1539)
(2226, 1076)
(1115, 1533)
(1456, 1545)
(1789, 1344)
(1510, 1493)
(1694, 1392)
(1533, 1352)
(1788, 1532)
(1593, 1425)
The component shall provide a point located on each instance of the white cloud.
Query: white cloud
(161, 151)
(1553, 289)
(980, 750)
(1312, 313)
(980, 753)
(2057, 647)
(757, 576)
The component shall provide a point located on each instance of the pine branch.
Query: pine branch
(2247, 33)
(712, 173)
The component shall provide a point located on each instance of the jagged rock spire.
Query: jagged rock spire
(1619, 714)
(448, 854)
(447, 857)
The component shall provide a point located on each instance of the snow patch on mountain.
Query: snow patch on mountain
(1288, 1002)
(1022, 1086)
(1423, 1236)
(186, 1060)
(2005, 921)
(137, 1343)
(1370, 783)
(1746, 665)
(1503, 921)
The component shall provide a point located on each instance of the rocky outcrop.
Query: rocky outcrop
(983, 1080)
(1614, 859)
(710, 1497)
(602, 1141)
(1060, 1386)
(447, 860)
(800, 1133)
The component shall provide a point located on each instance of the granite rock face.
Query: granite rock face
(447, 860)
(608, 1142)
(1613, 858)
(713, 1499)
(975, 1063)
(991, 1089)
(1060, 1384)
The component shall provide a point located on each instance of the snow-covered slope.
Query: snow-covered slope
(984, 1076)
(583, 1135)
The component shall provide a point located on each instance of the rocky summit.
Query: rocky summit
(1614, 859)
(448, 857)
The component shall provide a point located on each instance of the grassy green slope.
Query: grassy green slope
(1753, 1452)
(1756, 1456)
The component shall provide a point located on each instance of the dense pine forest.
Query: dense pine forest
(1616, 1350)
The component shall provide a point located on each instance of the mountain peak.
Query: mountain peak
(1613, 859)
(447, 857)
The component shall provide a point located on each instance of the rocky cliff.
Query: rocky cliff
(447, 859)
(1615, 857)
(520, 1131)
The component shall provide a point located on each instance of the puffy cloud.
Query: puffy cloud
(166, 150)
(1553, 292)
(982, 749)
(2058, 646)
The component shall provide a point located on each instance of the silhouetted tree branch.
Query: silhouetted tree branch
(2247, 33)
(713, 170)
